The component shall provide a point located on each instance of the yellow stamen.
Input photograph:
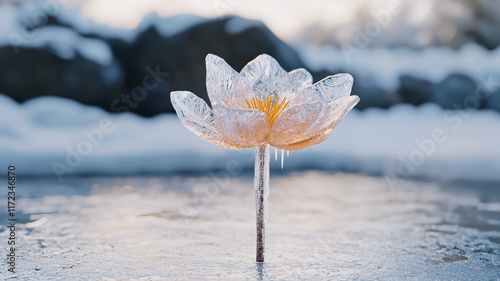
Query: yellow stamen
(270, 108)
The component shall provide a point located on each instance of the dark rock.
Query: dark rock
(129, 82)
(493, 100)
(183, 57)
(451, 93)
(34, 72)
(371, 94)
(415, 91)
(39, 71)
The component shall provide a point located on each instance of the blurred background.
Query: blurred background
(400, 52)
(108, 174)
(419, 67)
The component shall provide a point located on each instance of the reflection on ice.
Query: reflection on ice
(325, 226)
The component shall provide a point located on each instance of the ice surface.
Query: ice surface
(374, 141)
(324, 227)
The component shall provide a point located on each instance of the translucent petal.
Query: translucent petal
(298, 123)
(197, 116)
(336, 109)
(241, 127)
(306, 95)
(300, 78)
(333, 88)
(301, 81)
(266, 77)
(263, 65)
(327, 130)
(226, 85)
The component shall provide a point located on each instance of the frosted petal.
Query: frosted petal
(266, 77)
(336, 110)
(300, 78)
(306, 95)
(241, 127)
(226, 85)
(263, 65)
(327, 130)
(298, 123)
(301, 81)
(334, 87)
(197, 116)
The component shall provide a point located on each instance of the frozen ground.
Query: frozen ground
(323, 227)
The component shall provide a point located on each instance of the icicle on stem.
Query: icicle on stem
(261, 184)
(282, 158)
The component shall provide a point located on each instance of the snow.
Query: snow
(170, 26)
(62, 41)
(8, 16)
(236, 25)
(167, 27)
(54, 136)
(84, 25)
(67, 42)
(433, 63)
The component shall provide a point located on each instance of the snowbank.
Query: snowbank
(62, 41)
(387, 65)
(54, 136)
(25, 25)
(16, 18)
(165, 26)
(236, 25)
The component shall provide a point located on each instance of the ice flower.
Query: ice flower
(264, 104)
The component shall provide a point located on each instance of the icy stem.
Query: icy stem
(282, 158)
(261, 183)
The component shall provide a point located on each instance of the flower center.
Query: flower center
(271, 107)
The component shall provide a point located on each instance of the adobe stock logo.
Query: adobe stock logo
(33, 21)
(139, 93)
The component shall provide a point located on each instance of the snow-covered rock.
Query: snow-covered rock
(59, 137)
